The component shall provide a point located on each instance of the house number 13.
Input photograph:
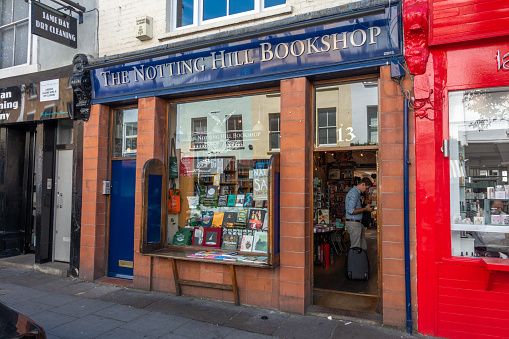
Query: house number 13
(349, 136)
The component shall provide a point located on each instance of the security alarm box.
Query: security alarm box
(143, 28)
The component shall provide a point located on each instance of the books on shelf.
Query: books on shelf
(229, 220)
(256, 217)
(217, 220)
(247, 243)
(260, 242)
(211, 191)
(221, 202)
(248, 200)
(206, 218)
(241, 218)
(231, 200)
(239, 202)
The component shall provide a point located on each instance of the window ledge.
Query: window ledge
(227, 22)
(492, 266)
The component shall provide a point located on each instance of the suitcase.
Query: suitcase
(357, 264)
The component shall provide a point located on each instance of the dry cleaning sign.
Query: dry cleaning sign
(53, 25)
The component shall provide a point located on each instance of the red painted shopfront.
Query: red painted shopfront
(457, 51)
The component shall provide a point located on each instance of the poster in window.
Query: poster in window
(260, 184)
(212, 237)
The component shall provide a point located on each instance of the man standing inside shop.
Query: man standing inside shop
(354, 212)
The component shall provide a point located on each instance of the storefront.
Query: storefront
(40, 146)
(242, 134)
(462, 175)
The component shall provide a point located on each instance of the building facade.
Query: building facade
(458, 52)
(266, 114)
(40, 190)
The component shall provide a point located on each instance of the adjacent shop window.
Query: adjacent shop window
(274, 131)
(224, 185)
(198, 12)
(125, 132)
(13, 33)
(64, 131)
(479, 159)
(347, 114)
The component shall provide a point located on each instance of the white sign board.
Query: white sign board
(260, 184)
(49, 90)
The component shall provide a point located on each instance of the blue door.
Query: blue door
(121, 245)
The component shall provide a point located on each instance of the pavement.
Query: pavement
(72, 308)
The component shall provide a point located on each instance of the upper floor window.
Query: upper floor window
(326, 126)
(198, 12)
(14, 33)
(199, 133)
(234, 132)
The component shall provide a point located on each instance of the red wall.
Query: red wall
(466, 20)
(453, 300)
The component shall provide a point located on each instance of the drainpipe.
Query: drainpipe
(406, 199)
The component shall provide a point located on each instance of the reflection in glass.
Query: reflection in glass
(479, 156)
(185, 12)
(213, 9)
(347, 114)
(272, 3)
(125, 132)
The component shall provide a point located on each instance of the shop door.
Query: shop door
(63, 206)
(121, 235)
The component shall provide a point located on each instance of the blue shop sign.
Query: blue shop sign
(350, 44)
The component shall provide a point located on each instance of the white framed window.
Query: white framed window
(327, 126)
(14, 33)
(274, 131)
(186, 13)
(234, 132)
(125, 132)
(199, 133)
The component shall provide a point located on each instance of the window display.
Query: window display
(479, 159)
(224, 175)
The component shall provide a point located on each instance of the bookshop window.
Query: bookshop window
(479, 160)
(274, 131)
(347, 114)
(224, 183)
(125, 132)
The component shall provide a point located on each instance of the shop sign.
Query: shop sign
(51, 24)
(49, 90)
(10, 102)
(502, 61)
(348, 44)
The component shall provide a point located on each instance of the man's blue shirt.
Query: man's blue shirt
(353, 202)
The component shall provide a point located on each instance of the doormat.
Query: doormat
(348, 301)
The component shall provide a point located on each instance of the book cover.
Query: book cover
(230, 242)
(323, 216)
(241, 217)
(258, 203)
(206, 218)
(229, 219)
(248, 200)
(239, 202)
(211, 191)
(231, 200)
(217, 220)
(260, 242)
(256, 217)
(247, 243)
(212, 237)
(265, 222)
(221, 202)
(198, 237)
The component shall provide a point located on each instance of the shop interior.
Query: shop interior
(335, 173)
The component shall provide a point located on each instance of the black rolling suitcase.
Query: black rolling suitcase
(357, 264)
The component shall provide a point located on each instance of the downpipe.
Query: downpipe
(406, 199)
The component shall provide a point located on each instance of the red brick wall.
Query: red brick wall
(390, 188)
(93, 214)
(151, 144)
(296, 187)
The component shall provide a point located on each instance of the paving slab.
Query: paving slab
(58, 285)
(56, 299)
(246, 335)
(121, 313)
(200, 330)
(30, 307)
(21, 295)
(135, 298)
(49, 320)
(296, 326)
(87, 327)
(98, 291)
(82, 307)
(346, 330)
(257, 320)
(120, 333)
(156, 324)
(29, 279)
(195, 309)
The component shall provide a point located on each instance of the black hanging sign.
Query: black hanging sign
(51, 24)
